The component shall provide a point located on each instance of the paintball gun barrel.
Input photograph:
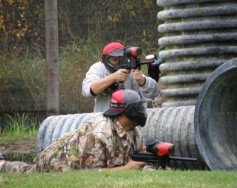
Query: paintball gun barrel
(159, 154)
(131, 60)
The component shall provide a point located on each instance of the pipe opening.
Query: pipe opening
(216, 118)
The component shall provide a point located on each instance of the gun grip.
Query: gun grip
(121, 85)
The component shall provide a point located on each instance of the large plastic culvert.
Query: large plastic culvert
(216, 118)
(54, 126)
(198, 36)
(171, 124)
(175, 125)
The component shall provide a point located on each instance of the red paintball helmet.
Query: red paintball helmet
(113, 49)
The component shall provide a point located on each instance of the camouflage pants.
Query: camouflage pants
(17, 166)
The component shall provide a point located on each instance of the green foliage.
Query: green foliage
(22, 81)
(75, 60)
(22, 22)
(19, 25)
(123, 179)
(23, 78)
(83, 30)
(18, 127)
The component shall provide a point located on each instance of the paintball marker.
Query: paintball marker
(131, 60)
(160, 154)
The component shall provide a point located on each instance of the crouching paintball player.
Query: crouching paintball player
(104, 142)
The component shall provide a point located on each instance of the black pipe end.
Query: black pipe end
(215, 119)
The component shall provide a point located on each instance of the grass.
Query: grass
(18, 127)
(155, 178)
(17, 137)
(23, 78)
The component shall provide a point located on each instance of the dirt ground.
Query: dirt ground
(20, 149)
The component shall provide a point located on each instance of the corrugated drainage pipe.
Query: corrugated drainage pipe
(175, 125)
(54, 126)
(216, 118)
(198, 36)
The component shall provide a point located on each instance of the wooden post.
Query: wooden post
(52, 56)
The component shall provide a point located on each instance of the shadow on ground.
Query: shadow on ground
(18, 150)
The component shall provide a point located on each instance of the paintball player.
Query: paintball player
(104, 142)
(103, 76)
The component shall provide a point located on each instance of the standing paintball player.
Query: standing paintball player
(105, 76)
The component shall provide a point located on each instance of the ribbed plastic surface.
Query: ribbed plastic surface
(54, 126)
(198, 36)
(174, 124)
(215, 118)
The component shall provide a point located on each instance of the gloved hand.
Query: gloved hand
(138, 76)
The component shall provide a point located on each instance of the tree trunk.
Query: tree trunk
(52, 57)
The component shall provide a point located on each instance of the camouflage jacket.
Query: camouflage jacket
(100, 143)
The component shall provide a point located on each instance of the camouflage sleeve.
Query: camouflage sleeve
(17, 166)
(139, 140)
(93, 152)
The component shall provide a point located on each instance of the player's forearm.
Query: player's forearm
(99, 86)
(135, 165)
